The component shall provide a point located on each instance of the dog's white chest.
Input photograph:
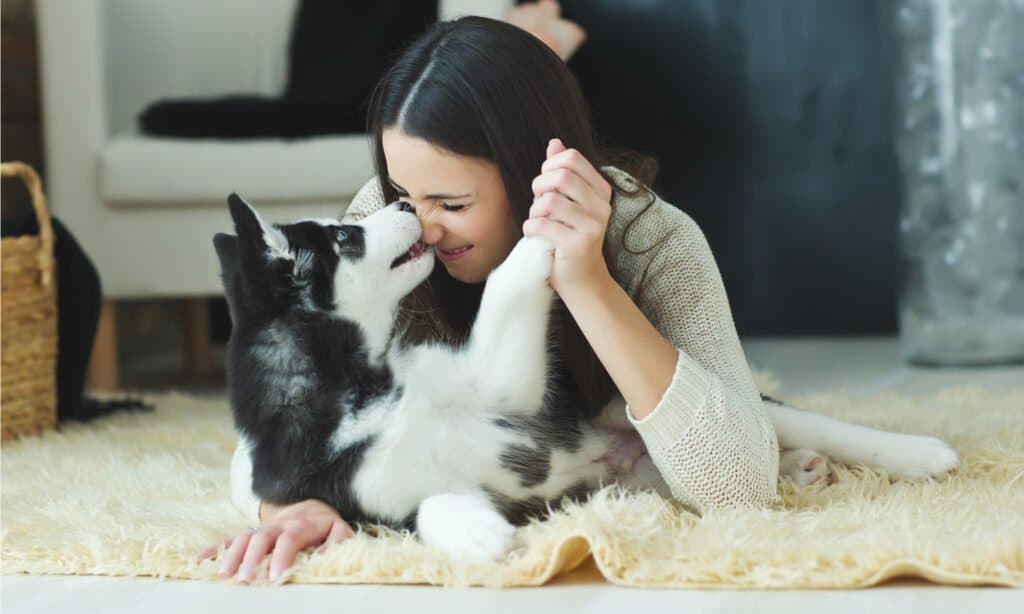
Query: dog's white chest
(416, 455)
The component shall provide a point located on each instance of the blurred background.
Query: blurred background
(855, 165)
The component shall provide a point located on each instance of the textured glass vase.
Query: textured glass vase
(960, 142)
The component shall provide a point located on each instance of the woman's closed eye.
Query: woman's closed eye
(402, 194)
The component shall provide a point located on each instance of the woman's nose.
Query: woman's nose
(432, 232)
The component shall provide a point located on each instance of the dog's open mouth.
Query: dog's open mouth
(418, 249)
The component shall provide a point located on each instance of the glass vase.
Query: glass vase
(960, 144)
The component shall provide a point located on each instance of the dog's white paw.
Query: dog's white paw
(805, 467)
(529, 264)
(465, 527)
(916, 456)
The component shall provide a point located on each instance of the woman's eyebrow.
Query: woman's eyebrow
(430, 196)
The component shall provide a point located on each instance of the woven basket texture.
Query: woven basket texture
(28, 294)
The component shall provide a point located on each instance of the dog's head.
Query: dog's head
(320, 265)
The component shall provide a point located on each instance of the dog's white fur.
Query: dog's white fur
(369, 298)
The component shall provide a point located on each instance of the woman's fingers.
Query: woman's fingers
(302, 536)
(556, 232)
(209, 553)
(259, 545)
(558, 208)
(287, 546)
(573, 160)
(569, 184)
(295, 527)
(555, 147)
(233, 555)
(340, 531)
(566, 183)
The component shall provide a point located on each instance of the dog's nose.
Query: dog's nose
(405, 206)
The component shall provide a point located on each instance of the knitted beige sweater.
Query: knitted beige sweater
(709, 435)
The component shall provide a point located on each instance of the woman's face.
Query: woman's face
(460, 201)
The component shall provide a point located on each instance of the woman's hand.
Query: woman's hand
(293, 528)
(571, 208)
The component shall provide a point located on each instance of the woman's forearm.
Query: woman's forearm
(638, 358)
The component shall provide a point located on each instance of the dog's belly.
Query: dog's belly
(417, 455)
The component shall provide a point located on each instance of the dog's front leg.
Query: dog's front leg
(242, 495)
(509, 341)
(467, 527)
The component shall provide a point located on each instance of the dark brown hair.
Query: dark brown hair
(486, 89)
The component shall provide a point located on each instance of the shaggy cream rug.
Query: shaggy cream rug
(141, 494)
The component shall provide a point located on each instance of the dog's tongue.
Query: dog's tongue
(417, 249)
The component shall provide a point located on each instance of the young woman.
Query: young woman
(483, 129)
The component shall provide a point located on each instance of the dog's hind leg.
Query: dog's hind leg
(910, 456)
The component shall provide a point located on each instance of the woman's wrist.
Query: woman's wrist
(267, 511)
(599, 287)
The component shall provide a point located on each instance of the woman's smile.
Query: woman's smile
(451, 255)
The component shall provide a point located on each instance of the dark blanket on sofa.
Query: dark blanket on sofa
(337, 53)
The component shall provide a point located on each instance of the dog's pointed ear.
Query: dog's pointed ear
(227, 252)
(254, 233)
(226, 247)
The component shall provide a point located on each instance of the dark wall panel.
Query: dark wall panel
(772, 121)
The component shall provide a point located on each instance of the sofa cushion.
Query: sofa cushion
(147, 171)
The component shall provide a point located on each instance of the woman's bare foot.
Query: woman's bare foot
(544, 20)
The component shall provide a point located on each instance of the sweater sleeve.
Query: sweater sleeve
(366, 201)
(709, 435)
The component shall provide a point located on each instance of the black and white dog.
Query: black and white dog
(460, 444)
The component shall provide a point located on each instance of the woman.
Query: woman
(483, 129)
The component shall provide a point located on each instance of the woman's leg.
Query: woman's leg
(544, 20)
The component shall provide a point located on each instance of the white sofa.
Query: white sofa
(145, 208)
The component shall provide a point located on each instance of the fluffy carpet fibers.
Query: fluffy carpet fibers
(141, 494)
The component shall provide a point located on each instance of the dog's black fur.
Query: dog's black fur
(289, 425)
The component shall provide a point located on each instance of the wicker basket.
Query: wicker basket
(28, 381)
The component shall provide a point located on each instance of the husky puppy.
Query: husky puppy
(459, 444)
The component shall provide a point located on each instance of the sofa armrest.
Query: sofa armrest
(452, 9)
(73, 104)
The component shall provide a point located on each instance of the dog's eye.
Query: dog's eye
(340, 235)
